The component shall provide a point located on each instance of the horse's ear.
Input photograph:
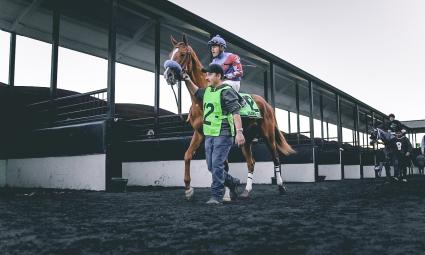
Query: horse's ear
(173, 41)
(185, 39)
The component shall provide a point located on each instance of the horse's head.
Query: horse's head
(379, 134)
(373, 136)
(180, 60)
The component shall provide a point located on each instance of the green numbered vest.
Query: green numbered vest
(213, 114)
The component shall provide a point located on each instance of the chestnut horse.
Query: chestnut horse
(186, 57)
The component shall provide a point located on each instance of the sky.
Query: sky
(373, 50)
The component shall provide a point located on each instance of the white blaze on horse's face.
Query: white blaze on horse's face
(169, 74)
(174, 53)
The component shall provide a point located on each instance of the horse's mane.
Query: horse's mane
(197, 75)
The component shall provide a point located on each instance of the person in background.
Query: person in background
(393, 126)
(401, 158)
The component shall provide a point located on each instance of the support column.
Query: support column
(111, 58)
(272, 86)
(266, 85)
(55, 52)
(157, 75)
(12, 58)
(289, 122)
(339, 130)
(358, 140)
(297, 99)
(327, 130)
(179, 98)
(321, 116)
(311, 100)
(113, 162)
(311, 111)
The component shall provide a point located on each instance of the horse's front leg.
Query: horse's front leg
(247, 153)
(194, 145)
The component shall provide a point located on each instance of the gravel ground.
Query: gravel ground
(341, 217)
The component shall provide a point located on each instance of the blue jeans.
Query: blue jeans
(217, 149)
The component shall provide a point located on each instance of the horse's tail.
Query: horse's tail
(281, 142)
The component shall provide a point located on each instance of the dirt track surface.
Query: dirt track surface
(345, 217)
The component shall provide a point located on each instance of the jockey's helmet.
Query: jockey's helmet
(217, 40)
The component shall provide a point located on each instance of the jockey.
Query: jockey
(230, 62)
(394, 125)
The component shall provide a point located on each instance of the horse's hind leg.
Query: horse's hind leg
(247, 153)
(277, 166)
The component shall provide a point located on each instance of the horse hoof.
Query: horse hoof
(227, 199)
(245, 194)
(282, 189)
(189, 193)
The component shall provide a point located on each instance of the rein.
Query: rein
(184, 65)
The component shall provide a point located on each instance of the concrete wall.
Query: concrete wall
(76, 172)
(332, 172)
(368, 171)
(3, 165)
(171, 173)
(383, 174)
(352, 172)
(298, 172)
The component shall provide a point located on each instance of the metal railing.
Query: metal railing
(69, 109)
(147, 128)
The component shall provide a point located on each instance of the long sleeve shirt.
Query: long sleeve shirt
(403, 145)
(231, 65)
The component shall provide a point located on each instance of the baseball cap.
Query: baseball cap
(213, 68)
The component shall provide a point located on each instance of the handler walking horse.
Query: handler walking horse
(184, 57)
(388, 139)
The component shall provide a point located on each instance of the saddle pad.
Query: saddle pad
(250, 110)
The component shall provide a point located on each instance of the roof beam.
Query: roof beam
(140, 33)
(24, 13)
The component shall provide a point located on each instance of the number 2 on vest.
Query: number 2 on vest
(211, 110)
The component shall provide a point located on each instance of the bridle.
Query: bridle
(187, 60)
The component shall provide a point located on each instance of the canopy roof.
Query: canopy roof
(84, 28)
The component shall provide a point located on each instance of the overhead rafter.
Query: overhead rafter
(140, 33)
(24, 13)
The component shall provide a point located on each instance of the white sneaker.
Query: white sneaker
(213, 201)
